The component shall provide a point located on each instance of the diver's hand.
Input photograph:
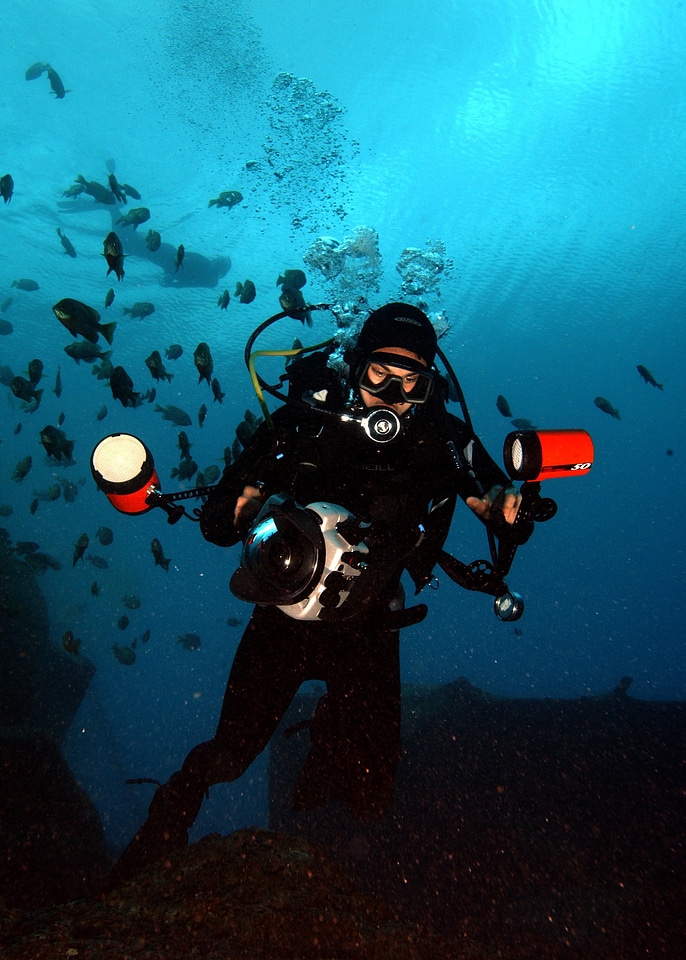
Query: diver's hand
(508, 501)
(248, 505)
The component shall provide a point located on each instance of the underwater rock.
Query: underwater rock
(254, 894)
(543, 828)
(53, 844)
(41, 686)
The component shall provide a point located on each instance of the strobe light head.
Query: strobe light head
(123, 468)
(535, 455)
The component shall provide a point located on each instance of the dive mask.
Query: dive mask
(413, 387)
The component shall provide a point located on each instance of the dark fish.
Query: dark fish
(118, 192)
(6, 510)
(233, 622)
(189, 641)
(97, 191)
(80, 319)
(56, 444)
(123, 622)
(51, 494)
(176, 415)
(104, 369)
(66, 243)
(153, 241)
(224, 300)
(80, 548)
(17, 429)
(521, 423)
(25, 284)
(145, 636)
(140, 310)
(101, 414)
(503, 406)
(24, 390)
(228, 458)
(60, 419)
(55, 82)
(6, 375)
(88, 352)
(104, 536)
(113, 252)
(33, 506)
(185, 470)
(227, 198)
(95, 589)
(293, 304)
(202, 413)
(131, 601)
(158, 554)
(35, 70)
(109, 298)
(22, 547)
(184, 445)
(35, 371)
(98, 562)
(135, 217)
(245, 432)
(125, 655)
(217, 391)
(648, 377)
(180, 254)
(156, 367)
(211, 474)
(202, 358)
(57, 389)
(236, 449)
(174, 351)
(295, 279)
(246, 292)
(121, 386)
(5, 327)
(131, 191)
(70, 643)
(70, 490)
(6, 187)
(6, 304)
(605, 405)
(40, 562)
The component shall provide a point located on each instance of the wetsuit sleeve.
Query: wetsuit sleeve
(216, 515)
(476, 471)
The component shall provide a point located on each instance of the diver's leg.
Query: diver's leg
(355, 730)
(268, 668)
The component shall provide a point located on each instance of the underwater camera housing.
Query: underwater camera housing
(298, 559)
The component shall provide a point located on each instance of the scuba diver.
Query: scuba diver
(372, 445)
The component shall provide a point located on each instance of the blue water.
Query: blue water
(542, 143)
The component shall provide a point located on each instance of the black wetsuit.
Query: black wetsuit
(393, 486)
(407, 490)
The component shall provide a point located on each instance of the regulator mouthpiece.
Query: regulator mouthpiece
(535, 455)
(123, 468)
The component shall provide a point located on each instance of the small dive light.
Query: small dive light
(543, 454)
(508, 606)
(123, 468)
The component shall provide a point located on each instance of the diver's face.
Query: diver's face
(378, 372)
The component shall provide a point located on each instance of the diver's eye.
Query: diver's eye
(377, 373)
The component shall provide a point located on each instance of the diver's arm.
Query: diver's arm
(481, 481)
(218, 513)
